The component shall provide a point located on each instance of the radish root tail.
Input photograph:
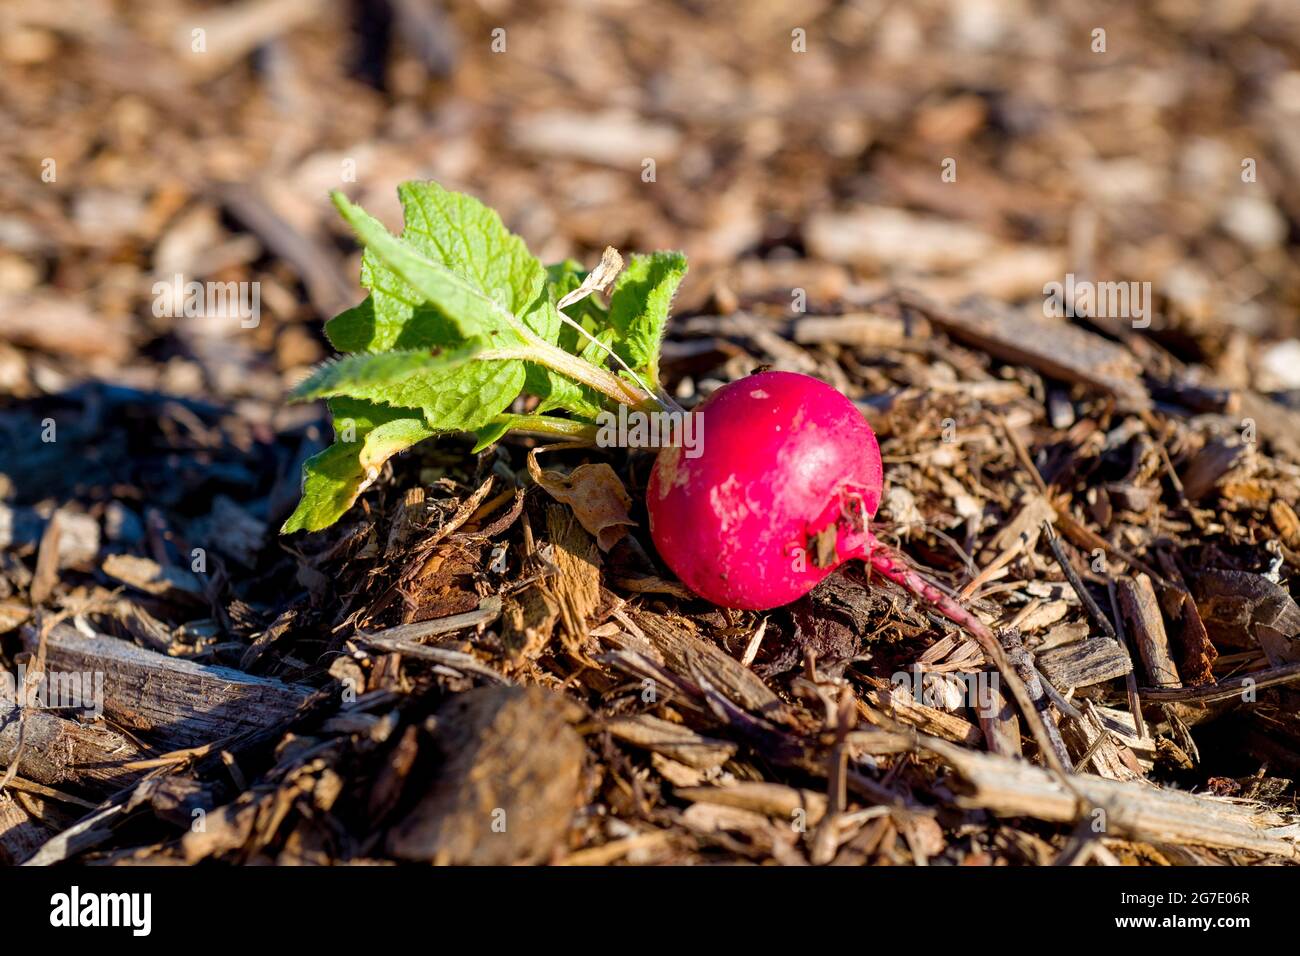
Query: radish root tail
(892, 565)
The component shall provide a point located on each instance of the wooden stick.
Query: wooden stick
(412, 634)
(1225, 689)
(1016, 788)
(1085, 596)
(999, 724)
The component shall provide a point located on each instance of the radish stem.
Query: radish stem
(580, 370)
(546, 425)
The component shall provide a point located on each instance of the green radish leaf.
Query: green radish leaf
(404, 282)
(467, 399)
(463, 236)
(490, 434)
(454, 391)
(552, 426)
(382, 322)
(469, 238)
(639, 307)
(366, 435)
(559, 391)
(569, 395)
(475, 311)
(358, 329)
(388, 377)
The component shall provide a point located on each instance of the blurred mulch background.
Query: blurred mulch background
(456, 672)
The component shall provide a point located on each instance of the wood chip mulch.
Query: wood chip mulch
(460, 671)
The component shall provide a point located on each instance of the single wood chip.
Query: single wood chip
(1247, 610)
(21, 834)
(772, 799)
(152, 578)
(1055, 348)
(1083, 663)
(1147, 626)
(176, 703)
(508, 787)
(671, 740)
(899, 705)
(687, 653)
(54, 750)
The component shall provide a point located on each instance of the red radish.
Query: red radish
(787, 478)
(782, 458)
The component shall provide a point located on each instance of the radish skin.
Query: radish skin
(788, 475)
(788, 479)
